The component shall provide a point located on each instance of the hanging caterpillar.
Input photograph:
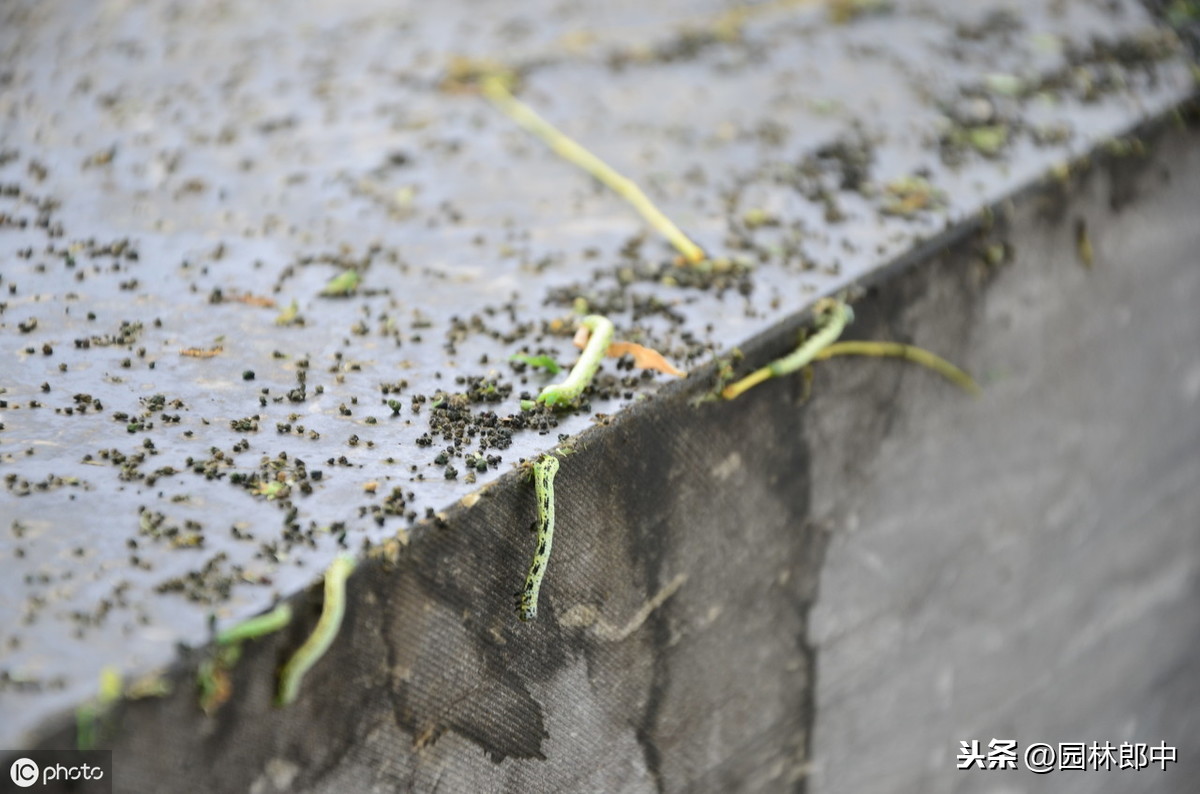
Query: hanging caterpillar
(543, 482)
(832, 317)
(319, 641)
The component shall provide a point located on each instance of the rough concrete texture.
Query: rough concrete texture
(1022, 565)
(1026, 566)
(168, 169)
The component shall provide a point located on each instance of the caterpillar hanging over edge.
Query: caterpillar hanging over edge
(543, 482)
(832, 317)
(322, 636)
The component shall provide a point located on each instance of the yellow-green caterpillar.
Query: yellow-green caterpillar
(256, 627)
(832, 317)
(319, 641)
(543, 482)
(581, 374)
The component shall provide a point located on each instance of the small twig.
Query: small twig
(497, 92)
(617, 634)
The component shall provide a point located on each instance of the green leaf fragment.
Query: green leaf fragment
(288, 315)
(1004, 84)
(538, 362)
(988, 140)
(342, 284)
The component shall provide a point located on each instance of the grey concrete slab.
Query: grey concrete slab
(164, 165)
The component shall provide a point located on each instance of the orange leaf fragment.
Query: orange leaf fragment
(643, 357)
(196, 352)
(253, 300)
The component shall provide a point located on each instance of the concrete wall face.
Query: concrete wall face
(1025, 567)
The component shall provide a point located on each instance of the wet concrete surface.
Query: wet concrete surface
(175, 176)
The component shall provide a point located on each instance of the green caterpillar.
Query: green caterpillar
(832, 317)
(581, 375)
(543, 481)
(322, 637)
(256, 627)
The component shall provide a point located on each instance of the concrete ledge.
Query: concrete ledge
(860, 580)
(822, 589)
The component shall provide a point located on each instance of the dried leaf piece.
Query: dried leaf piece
(251, 299)
(643, 357)
(910, 195)
(196, 352)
